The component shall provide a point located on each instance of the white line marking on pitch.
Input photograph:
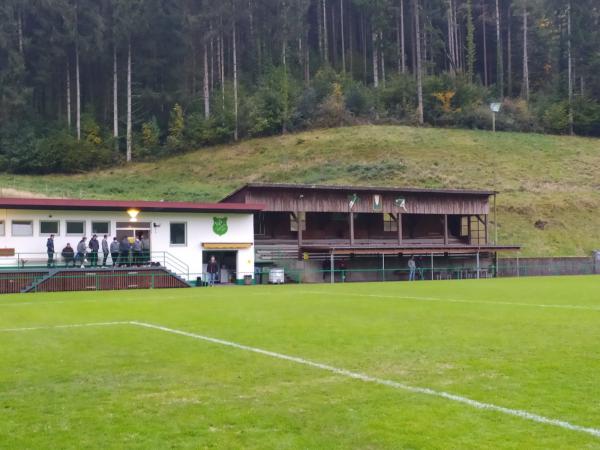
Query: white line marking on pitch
(73, 325)
(367, 378)
(454, 300)
(343, 372)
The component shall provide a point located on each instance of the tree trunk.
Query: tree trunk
(325, 40)
(320, 29)
(212, 59)
(486, 80)
(457, 38)
(343, 37)
(525, 87)
(68, 94)
(20, 30)
(235, 82)
(78, 94)
(222, 68)
(382, 59)
(334, 44)
(418, 68)
(570, 65)
(206, 84)
(351, 37)
(509, 74)
(363, 30)
(129, 118)
(499, 54)
(375, 61)
(306, 60)
(470, 42)
(451, 46)
(115, 99)
(402, 39)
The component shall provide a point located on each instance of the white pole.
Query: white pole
(478, 266)
(518, 269)
(432, 267)
(494, 122)
(331, 274)
(383, 266)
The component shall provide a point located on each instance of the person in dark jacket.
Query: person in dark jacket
(50, 250)
(81, 248)
(114, 251)
(124, 248)
(68, 255)
(94, 247)
(212, 268)
(105, 250)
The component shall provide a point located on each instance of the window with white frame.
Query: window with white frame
(389, 223)
(178, 233)
(75, 227)
(295, 218)
(101, 228)
(22, 228)
(48, 227)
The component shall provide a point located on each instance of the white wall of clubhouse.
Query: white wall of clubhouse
(199, 231)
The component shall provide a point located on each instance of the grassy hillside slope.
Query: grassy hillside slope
(551, 179)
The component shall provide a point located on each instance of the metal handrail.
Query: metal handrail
(39, 260)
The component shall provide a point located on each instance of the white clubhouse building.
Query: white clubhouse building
(183, 235)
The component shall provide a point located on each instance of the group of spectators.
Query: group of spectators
(122, 253)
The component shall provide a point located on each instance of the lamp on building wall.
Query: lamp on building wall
(133, 213)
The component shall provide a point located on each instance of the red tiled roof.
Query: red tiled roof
(118, 205)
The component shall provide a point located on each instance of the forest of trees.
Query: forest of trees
(87, 83)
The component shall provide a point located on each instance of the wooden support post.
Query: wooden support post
(470, 234)
(299, 222)
(399, 218)
(445, 229)
(487, 240)
(495, 223)
(351, 228)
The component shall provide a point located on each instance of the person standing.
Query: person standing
(146, 249)
(80, 257)
(50, 250)
(212, 268)
(114, 251)
(68, 254)
(94, 247)
(124, 248)
(136, 250)
(105, 250)
(412, 267)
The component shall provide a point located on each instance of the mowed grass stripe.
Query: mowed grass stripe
(453, 300)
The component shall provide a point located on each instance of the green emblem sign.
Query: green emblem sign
(220, 225)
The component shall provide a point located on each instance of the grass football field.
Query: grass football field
(511, 363)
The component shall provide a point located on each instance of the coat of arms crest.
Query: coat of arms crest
(220, 225)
